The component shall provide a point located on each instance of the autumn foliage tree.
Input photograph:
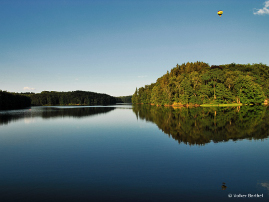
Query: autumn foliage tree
(198, 83)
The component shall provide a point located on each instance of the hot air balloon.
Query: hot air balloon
(220, 13)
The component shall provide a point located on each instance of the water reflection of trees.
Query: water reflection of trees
(198, 126)
(74, 112)
(51, 112)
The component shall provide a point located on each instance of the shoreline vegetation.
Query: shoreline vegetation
(186, 85)
(13, 101)
(198, 84)
(9, 100)
(190, 105)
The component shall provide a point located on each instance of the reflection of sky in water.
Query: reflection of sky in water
(29, 120)
(114, 154)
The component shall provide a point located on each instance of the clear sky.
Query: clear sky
(114, 46)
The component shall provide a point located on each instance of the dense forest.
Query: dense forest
(13, 101)
(201, 125)
(48, 98)
(69, 98)
(198, 83)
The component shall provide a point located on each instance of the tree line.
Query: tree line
(198, 83)
(10, 100)
(13, 101)
(49, 98)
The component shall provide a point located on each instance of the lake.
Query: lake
(134, 153)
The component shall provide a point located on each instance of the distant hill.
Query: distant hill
(124, 99)
(198, 83)
(78, 97)
(49, 98)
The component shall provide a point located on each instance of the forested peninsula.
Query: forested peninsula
(197, 83)
(49, 98)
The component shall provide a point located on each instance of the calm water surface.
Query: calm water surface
(134, 153)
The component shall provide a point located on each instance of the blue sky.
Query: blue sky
(114, 46)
